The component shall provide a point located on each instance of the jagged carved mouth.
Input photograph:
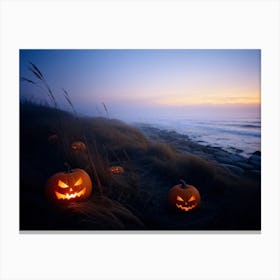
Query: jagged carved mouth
(69, 196)
(185, 208)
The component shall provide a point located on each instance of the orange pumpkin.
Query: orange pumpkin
(72, 185)
(79, 146)
(116, 169)
(184, 197)
(53, 138)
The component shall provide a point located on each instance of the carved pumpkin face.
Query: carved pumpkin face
(79, 146)
(116, 169)
(184, 197)
(69, 186)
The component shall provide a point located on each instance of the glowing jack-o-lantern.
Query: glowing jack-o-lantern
(116, 169)
(72, 185)
(184, 197)
(79, 146)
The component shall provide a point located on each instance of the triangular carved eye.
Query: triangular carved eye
(179, 198)
(62, 184)
(78, 182)
(192, 198)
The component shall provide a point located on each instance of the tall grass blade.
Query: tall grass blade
(98, 111)
(27, 80)
(51, 94)
(35, 73)
(106, 110)
(67, 97)
(37, 70)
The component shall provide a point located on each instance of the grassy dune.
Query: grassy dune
(136, 199)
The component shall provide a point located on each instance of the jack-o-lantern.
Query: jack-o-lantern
(79, 146)
(184, 197)
(53, 138)
(72, 185)
(116, 169)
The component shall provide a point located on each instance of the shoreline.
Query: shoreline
(233, 162)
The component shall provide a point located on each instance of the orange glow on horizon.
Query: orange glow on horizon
(191, 96)
(229, 101)
(201, 98)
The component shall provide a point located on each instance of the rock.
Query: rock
(236, 158)
(202, 154)
(255, 160)
(228, 158)
(234, 169)
(236, 150)
(255, 174)
(244, 165)
(218, 153)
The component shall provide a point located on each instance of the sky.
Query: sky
(148, 83)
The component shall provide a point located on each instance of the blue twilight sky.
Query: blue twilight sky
(135, 83)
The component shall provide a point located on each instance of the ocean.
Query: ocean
(239, 135)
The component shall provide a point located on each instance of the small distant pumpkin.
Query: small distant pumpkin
(53, 138)
(184, 197)
(72, 185)
(116, 169)
(79, 146)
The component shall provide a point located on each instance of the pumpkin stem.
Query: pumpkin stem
(183, 183)
(69, 169)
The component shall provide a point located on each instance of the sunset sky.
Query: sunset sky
(147, 81)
